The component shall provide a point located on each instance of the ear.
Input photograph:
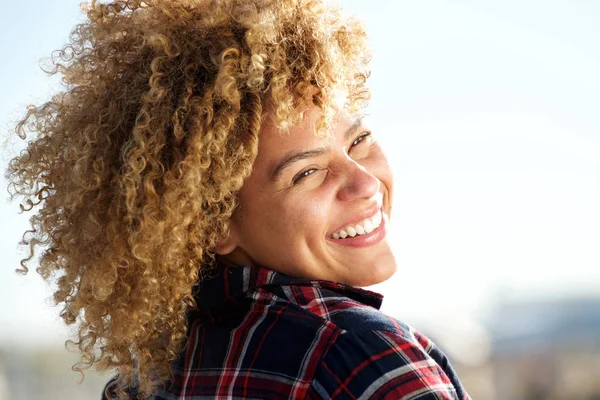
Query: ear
(229, 244)
(230, 250)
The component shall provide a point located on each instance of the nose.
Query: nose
(358, 183)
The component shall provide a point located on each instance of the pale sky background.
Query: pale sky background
(490, 114)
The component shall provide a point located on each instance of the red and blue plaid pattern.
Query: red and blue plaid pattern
(258, 334)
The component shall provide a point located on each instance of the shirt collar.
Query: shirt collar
(230, 284)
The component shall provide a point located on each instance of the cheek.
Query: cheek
(307, 211)
(379, 166)
(273, 219)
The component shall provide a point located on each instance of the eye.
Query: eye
(303, 175)
(360, 139)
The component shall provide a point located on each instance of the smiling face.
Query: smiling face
(316, 207)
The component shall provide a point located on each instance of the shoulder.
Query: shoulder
(369, 354)
(386, 365)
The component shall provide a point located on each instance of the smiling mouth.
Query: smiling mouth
(362, 228)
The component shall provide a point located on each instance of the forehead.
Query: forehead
(273, 143)
(302, 136)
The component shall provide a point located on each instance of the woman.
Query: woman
(211, 200)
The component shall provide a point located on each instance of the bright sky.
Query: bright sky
(489, 113)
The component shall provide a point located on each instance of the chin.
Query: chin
(376, 276)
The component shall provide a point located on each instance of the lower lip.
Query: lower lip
(365, 240)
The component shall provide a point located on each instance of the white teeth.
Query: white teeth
(368, 226)
(377, 219)
(365, 227)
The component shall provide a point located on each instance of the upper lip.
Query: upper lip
(359, 217)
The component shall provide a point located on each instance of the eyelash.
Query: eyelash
(360, 138)
(310, 171)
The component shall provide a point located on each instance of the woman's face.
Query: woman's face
(306, 193)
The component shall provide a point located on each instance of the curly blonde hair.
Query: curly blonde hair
(133, 168)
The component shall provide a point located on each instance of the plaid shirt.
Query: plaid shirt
(259, 334)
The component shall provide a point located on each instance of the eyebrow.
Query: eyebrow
(289, 159)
